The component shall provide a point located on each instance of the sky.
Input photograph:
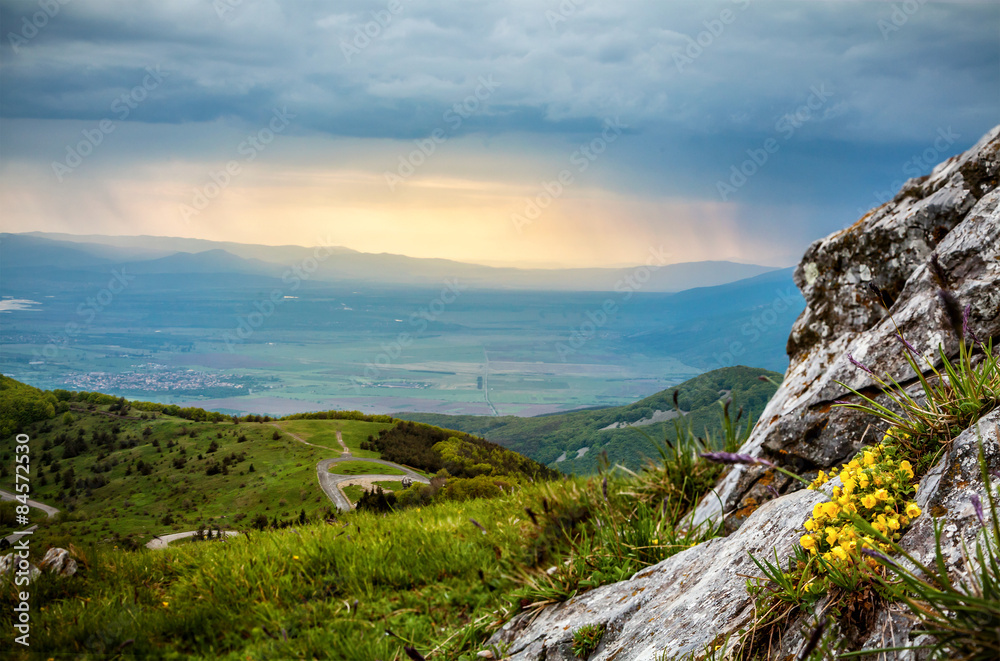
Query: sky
(546, 133)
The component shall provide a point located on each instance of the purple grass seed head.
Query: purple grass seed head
(978, 506)
(859, 365)
(965, 326)
(905, 343)
(872, 553)
(733, 458)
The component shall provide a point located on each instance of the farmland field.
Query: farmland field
(378, 351)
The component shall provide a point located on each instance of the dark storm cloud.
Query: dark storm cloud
(630, 59)
(701, 82)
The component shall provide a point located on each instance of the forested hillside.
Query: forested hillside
(546, 438)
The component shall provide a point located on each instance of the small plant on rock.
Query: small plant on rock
(586, 639)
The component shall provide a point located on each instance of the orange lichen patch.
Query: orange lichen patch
(767, 478)
(748, 509)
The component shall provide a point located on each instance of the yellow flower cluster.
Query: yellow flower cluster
(877, 486)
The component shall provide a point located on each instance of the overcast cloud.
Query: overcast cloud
(884, 80)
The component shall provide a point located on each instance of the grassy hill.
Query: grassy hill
(122, 472)
(546, 438)
(439, 575)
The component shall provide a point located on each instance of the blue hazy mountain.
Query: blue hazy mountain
(340, 265)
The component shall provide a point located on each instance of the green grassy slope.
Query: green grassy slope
(440, 576)
(324, 432)
(121, 474)
(545, 438)
(163, 484)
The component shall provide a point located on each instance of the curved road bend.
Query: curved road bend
(330, 483)
(161, 542)
(48, 509)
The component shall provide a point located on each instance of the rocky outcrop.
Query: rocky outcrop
(699, 596)
(58, 561)
(55, 561)
(954, 213)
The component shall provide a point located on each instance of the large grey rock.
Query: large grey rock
(694, 598)
(680, 605)
(58, 561)
(955, 214)
(10, 564)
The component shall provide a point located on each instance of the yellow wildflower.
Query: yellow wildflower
(906, 468)
(849, 486)
(868, 500)
(808, 542)
(912, 510)
(831, 536)
(882, 494)
(863, 480)
(869, 458)
(810, 524)
(830, 509)
(840, 553)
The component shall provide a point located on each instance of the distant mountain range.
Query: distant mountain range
(39, 252)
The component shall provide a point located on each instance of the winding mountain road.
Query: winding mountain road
(161, 542)
(48, 509)
(331, 484)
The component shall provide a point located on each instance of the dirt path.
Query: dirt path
(345, 451)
